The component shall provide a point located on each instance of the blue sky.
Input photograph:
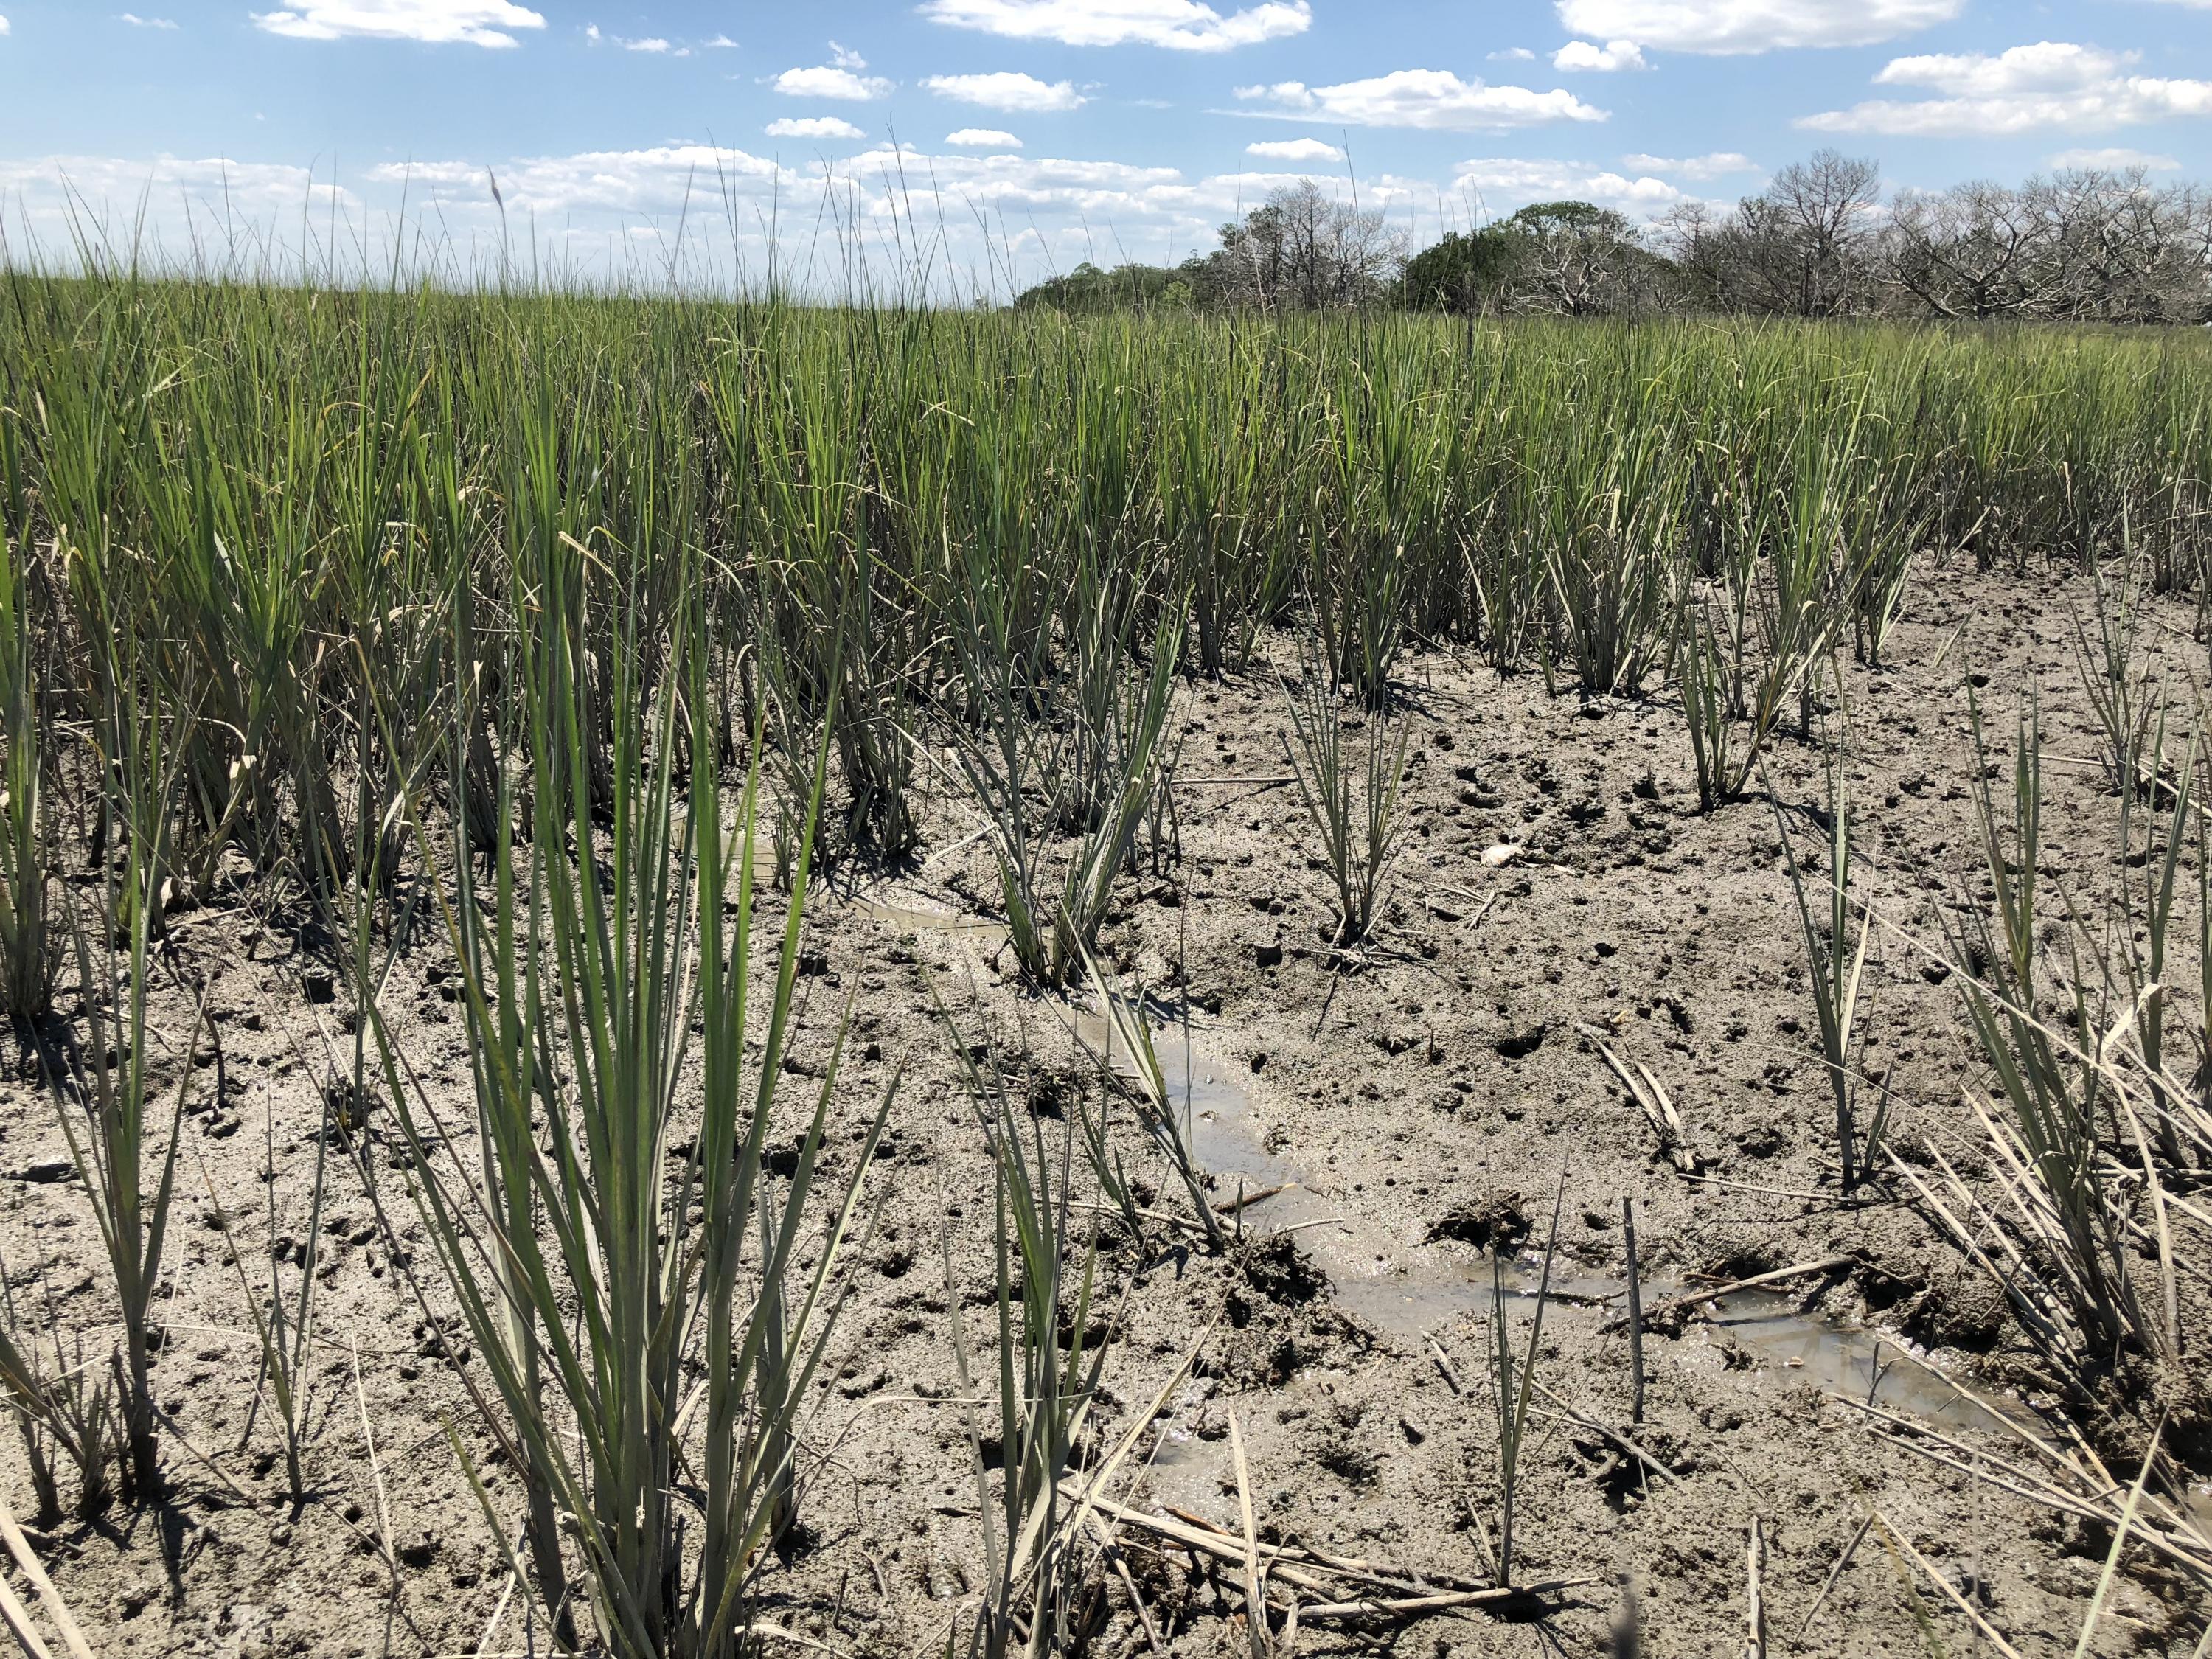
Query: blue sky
(1024, 135)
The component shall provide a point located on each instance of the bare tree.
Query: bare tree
(1796, 249)
(1304, 250)
(1810, 225)
(1971, 252)
(2120, 250)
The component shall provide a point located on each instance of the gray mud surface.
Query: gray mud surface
(1420, 1108)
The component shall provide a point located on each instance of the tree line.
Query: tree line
(1820, 241)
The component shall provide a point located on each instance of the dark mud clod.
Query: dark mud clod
(1497, 1223)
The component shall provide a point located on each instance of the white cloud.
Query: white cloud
(830, 80)
(720, 43)
(1749, 26)
(1004, 217)
(1008, 90)
(1513, 55)
(2046, 66)
(1107, 196)
(661, 179)
(982, 138)
(1508, 182)
(813, 126)
(1718, 164)
(3, 26)
(1183, 25)
(465, 22)
(1062, 194)
(653, 46)
(185, 202)
(138, 22)
(1420, 97)
(2117, 159)
(1295, 149)
(2053, 84)
(1613, 55)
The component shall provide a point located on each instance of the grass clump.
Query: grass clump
(1350, 770)
(626, 1260)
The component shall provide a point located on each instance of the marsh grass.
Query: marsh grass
(2060, 1118)
(282, 1320)
(516, 623)
(1167, 1122)
(124, 1144)
(1048, 1361)
(1837, 966)
(654, 1291)
(1066, 791)
(30, 945)
(1513, 1383)
(65, 1408)
(1350, 769)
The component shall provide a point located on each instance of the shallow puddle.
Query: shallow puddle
(920, 919)
(1410, 1293)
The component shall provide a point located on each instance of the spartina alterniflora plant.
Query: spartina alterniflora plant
(1022, 764)
(1349, 769)
(1049, 1359)
(1133, 1061)
(651, 1295)
(123, 1140)
(1513, 1379)
(2075, 1277)
(283, 1318)
(65, 1412)
(1141, 758)
(2113, 678)
(30, 952)
(1716, 756)
(2135, 948)
(1835, 964)
(505, 1014)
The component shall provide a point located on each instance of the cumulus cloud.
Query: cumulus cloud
(831, 81)
(1717, 164)
(623, 211)
(1750, 26)
(1513, 55)
(1435, 98)
(1613, 55)
(442, 22)
(3, 26)
(2052, 84)
(1180, 25)
(138, 22)
(1098, 194)
(982, 138)
(1508, 182)
(660, 180)
(2116, 159)
(1295, 149)
(2046, 66)
(813, 126)
(1008, 90)
(184, 201)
